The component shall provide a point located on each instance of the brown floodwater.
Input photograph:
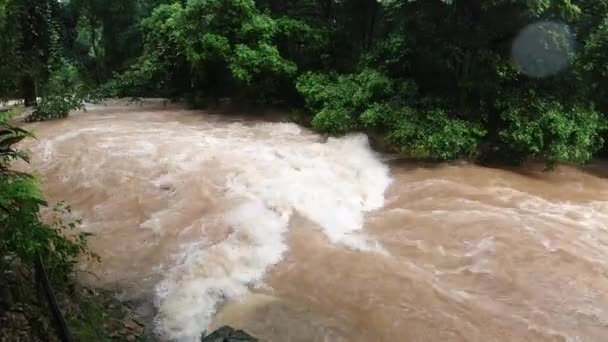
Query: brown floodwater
(265, 226)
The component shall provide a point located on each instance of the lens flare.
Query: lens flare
(543, 49)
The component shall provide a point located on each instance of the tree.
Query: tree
(26, 43)
(480, 70)
(106, 36)
(227, 45)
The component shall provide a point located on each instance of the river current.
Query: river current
(263, 225)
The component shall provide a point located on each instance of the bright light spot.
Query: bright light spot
(543, 49)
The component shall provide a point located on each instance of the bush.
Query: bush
(592, 64)
(62, 93)
(23, 234)
(370, 100)
(338, 101)
(546, 129)
(428, 134)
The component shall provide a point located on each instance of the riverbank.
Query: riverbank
(90, 314)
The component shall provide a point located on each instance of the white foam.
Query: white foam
(249, 180)
(204, 276)
(331, 184)
(259, 174)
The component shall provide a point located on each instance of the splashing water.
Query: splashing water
(256, 184)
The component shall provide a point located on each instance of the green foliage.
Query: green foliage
(23, 233)
(593, 64)
(62, 93)
(338, 101)
(565, 9)
(9, 136)
(370, 100)
(429, 134)
(105, 36)
(217, 47)
(248, 62)
(307, 45)
(546, 129)
(25, 45)
(33, 62)
(459, 57)
(237, 36)
(162, 69)
(431, 77)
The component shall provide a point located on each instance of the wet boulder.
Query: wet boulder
(228, 334)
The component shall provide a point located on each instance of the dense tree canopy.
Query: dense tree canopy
(442, 79)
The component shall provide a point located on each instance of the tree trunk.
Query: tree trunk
(327, 9)
(464, 82)
(372, 25)
(95, 50)
(28, 91)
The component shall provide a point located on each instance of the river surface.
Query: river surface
(267, 227)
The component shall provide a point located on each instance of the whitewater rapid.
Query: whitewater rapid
(255, 184)
(206, 219)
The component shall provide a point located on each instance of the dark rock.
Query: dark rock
(228, 334)
(6, 298)
(15, 326)
(166, 187)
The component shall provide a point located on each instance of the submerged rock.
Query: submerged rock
(227, 334)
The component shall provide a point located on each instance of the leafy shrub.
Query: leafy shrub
(338, 101)
(592, 63)
(546, 129)
(309, 44)
(62, 93)
(149, 76)
(249, 61)
(9, 136)
(370, 100)
(23, 234)
(160, 68)
(425, 134)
